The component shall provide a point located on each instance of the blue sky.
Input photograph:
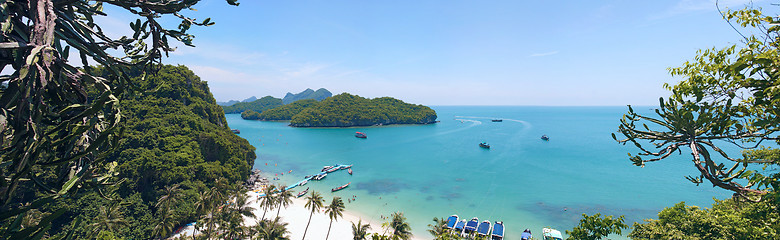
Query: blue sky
(557, 53)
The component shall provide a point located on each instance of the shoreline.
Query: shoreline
(296, 215)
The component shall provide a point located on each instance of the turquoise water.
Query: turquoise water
(437, 170)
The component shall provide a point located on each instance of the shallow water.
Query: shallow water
(437, 170)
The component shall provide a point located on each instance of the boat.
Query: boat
(360, 135)
(300, 194)
(545, 137)
(483, 228)
(333, 169)
(551, 234)
(451, 221)
(349, 171)
(346, 166)
(342, 187)
(526, 235)
(484, 145)
(471, 226)
(498, 231)
(325, 168)
(236, 131)
(460, 226)
(303, 183)
(320, 176)
(497, 120)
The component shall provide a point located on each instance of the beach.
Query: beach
(296, 215)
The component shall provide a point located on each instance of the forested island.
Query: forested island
(258, 105)
(346, 110)
(319, 95)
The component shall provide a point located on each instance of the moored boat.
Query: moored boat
(236, 131)
(325, 168)
(483, 228)
(349, 171)
(545, 137)
(460, 226)
(497, 120)
(320, 176)
(342, 187)
(484, 145)
(300, 194)
(551, 234)
(360, 135)
(526, 235)
(471, 226)
(451, 221)
(498, 231)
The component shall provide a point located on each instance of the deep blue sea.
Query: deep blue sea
(437, 170)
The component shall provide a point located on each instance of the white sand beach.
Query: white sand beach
(296, 215)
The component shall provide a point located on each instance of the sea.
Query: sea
(437, 170)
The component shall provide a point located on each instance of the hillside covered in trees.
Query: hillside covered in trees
(345, 110)
(258, 105)
(319, 95)
(175, 135)
(284, 112)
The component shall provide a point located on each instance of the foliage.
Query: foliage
(334, 211)
(318, 95)
(727, 97)
(360, 230)
(258, 105)
(252, 115)
(439, 232)
(272, 230)
(345, 110)
(314, 202)
(284, 112)
(727, 219)
(596, 227)
(283, 199)
(401, 228)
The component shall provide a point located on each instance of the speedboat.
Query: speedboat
(451, 221)
(526, 235)
(342, 187)
(484, 145)
(483, 228)
(349, 171)
(497, 120)
(325, 168)
(471, 226)
(551, 234)
(545, 137)
(300, 194)
(360, 135)
(498, 231)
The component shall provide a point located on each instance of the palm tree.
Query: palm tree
(400, 227)
(202, 206)
(272, 230)
(334, 211)
(108, 219)
(360, 230)
(437, 229)
(267, 200)
(165, 226)
(313, 202)
(284, 198)
(172, 195)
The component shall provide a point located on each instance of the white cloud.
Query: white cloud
(543, 54)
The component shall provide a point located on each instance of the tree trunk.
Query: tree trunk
(264, 210)
(278, 209)
(307, 225)
(329, 225)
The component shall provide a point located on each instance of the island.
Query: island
(258, 105)
(281, 113)
(319, 95)
(347, 110)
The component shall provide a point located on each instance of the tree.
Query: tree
(438, 230)
(334, 211)
(401, 228)
(58, 119)
(171, 195)
(727, 96)
(360, 231)
(272, 230)
(283, 199)
(164, 227)
(268, 200)
(313, 202)
(109, 219)
(596, 227)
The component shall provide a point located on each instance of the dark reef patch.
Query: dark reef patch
(382, 186)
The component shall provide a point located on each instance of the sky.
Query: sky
(539, 53)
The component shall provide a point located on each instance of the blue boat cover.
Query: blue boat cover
(451, 221)
(472, 225)
(460, 225)
(484, 227)
(498, 229)
(525, 235)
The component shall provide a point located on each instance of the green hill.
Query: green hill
(318, 95)
(345, 110)
(258, 105)
(284, 112)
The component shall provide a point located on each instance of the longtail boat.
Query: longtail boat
(300, 194)
(342, 187)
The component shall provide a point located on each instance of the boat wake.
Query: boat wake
(526, 125)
